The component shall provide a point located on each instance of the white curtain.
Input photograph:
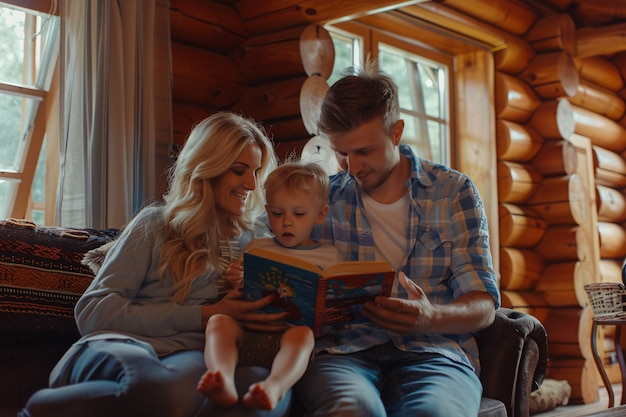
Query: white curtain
(115, 109)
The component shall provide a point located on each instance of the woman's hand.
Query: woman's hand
(246, 312)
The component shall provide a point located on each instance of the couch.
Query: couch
(42, 275)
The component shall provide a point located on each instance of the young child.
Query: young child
(297, 200)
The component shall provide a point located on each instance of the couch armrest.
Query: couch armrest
(513, 359)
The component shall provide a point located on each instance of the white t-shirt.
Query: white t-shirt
(389, 228)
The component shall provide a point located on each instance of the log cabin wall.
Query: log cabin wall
(560, 134)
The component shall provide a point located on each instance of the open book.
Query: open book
(314, 297)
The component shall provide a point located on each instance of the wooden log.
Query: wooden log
(562, 283)
(566, 334)
(598, 41)
(198, 64)
(601, 11)
(619, 63)
(582, 376)
(311, 97)
(515, 100)
(403, 25)
(317, 51)
(515, 57)
(204, 78)
(611, 204)
(273, 100)
(286, 129)
(520, 227)
(565, 243)
(520, 269)
(526, 301)
(185, 116)
(610, 270)
(271, 57)
(272, 15)
(556, 158)
(441, 16)
(612, 238)
(553, 33)
(510, 17)
(287, 150)
(600, 130)
(515, 142)
(206, 24)
(567, 361)
(213, 92)
(554, 119)
(600, 71)
(552, 75)
(599, 100)
(609, 168)
(522, 299)
(516, 182)
(561, 200)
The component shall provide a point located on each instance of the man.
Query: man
(418, 355)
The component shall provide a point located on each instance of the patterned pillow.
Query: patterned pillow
(42, 276)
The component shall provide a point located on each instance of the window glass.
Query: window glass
(422, 90)
(347, 53)
(28, 47)
(423, 105)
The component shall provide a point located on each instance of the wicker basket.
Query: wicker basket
(607, 298)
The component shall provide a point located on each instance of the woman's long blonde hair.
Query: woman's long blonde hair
(191, 239)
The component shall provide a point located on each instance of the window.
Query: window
(29, 50)
(423, 87)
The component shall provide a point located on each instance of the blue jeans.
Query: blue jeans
(105, 378)
(384, 381)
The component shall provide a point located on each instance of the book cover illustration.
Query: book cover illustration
(313, 300)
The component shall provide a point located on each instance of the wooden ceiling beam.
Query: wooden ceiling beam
(273, 15)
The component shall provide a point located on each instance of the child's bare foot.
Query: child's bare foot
(220, 390)
(262, 396)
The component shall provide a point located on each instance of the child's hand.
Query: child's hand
(234, 275)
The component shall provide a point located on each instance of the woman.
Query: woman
(143, 316)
